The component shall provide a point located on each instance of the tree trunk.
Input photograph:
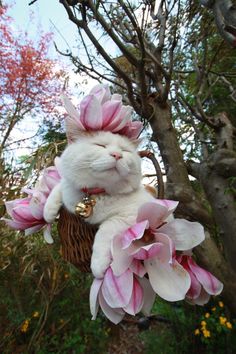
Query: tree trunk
(191, 206)
(216, 183)
(178, 185)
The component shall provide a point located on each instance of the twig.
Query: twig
(32, 2)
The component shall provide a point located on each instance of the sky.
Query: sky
(47, 14)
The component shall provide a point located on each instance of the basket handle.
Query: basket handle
(151, 156)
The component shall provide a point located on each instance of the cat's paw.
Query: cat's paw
(50, 215)
(99, 265)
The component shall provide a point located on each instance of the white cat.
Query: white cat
(109, 162)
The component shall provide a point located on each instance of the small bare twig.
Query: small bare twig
(32, 2)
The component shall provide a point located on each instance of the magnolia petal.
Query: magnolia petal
(195, 288)
(136, 300)
(149, 296)
(28, 191)
(33, 229)
(50, 181)
(137, 268)
(47, 234)
(133, 233)
(91, 113)
(117, 290)
(11, 204)
(51, 178)
(133, 130)
(185, 234)
(110, 110)
(42, 185)
(171, 205)
(167, 252)
(102, 93)
(36, 205)
(121, 258)
(93, 297)
(23, 214)
(73, 113)
(121, 119)
(201, 300)
(169, 281)
(153, 212)
(148, 251)
(210, 283)
(114, 315)
(17, 225)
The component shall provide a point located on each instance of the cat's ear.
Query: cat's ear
(137, 142)
(72, 131)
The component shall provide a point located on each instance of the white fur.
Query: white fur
(89, 162)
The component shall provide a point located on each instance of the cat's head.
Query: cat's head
(103, 160)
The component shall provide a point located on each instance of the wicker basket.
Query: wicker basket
(77, 236)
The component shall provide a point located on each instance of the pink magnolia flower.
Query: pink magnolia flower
(27, 213)
(101, 111)
(203, 283)
(51, 176)
(152, 241)
(117, 295)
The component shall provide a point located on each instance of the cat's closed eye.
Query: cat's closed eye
(104, 146)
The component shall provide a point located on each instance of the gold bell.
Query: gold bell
(85, 207)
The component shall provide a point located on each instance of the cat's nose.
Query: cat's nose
(116, 155)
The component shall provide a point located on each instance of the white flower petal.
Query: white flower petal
(169, 281)
(47, 234)
(114, 315)
(185, 234)
(93, 297)
(149, 296)
(117, 290)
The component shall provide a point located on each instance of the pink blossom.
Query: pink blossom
(203, 283)
(117, 295)
(152, 242)
(27, 213)
(101, 111)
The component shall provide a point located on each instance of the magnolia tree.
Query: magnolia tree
(225, 18)
(29, 88)
(178, 74)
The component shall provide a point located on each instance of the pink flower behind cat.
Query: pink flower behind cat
(101, 111)
(27, 213)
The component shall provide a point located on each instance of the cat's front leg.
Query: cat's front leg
(53, 204)
(101, 256)
(70, 196)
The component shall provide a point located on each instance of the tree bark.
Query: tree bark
(178, 185)
(221, 198)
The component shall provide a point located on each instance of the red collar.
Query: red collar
(91, 191)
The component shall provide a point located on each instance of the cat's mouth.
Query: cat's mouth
(119, 167)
